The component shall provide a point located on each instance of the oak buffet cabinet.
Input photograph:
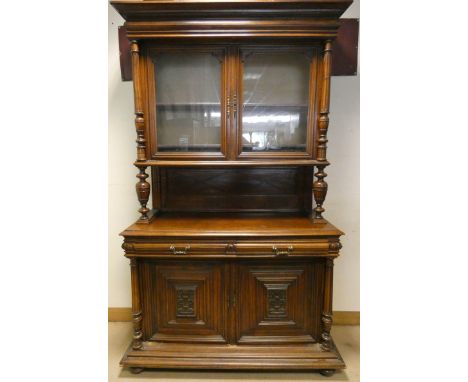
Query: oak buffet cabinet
(232, 266)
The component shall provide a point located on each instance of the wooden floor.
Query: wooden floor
(345, 337)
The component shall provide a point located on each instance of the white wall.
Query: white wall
(342, 203)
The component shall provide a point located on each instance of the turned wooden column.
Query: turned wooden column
(138, 97)
(320, 186)
(143, 188)
(136, 306)
(327, 317)
(143, 192)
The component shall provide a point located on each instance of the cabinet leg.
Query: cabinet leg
(136, 370)
(327, 372)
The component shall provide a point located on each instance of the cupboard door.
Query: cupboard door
(277, 97)
(184, 302)
(280, 302)
(187, 88)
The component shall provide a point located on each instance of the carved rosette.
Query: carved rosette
(143, 192)
(335, 246)
(137, 316)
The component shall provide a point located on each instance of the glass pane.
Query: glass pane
(275, 96)
(188, 101)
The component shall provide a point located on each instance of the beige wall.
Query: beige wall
(342, 203)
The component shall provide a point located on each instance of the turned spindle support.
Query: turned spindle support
(138, 97)
(320, 187)
(137, 342)
(143, 192)
(327, 317)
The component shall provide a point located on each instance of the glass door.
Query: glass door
(187, 102)
(277, 107)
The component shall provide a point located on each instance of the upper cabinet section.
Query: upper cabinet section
(231, 81)
(232, 102)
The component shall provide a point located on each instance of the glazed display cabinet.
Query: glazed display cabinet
(231, 258)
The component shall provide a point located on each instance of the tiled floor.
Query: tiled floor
(346, 338)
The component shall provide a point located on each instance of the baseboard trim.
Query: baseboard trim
(340, 317)
(343, 317)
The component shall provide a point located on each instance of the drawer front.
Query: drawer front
(177, 248)
(281, 248)
(234, 248)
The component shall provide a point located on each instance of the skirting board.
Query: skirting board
(339, 317)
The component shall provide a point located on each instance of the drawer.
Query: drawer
(179, 248)
(234, 248)
(282, 248)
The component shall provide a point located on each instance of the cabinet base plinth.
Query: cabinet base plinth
(158, 355)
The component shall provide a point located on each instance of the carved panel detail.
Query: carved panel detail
(277, 300)
(185, 305)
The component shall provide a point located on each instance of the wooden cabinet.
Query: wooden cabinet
(231, 257)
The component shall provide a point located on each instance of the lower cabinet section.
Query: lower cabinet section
(243, 302)
(234, 314)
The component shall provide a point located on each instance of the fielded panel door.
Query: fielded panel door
(279, 302)
(184, 302)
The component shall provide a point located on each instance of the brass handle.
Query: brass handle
(279, 252)
(234, 105)
(228, 106)
(181, 252)
(231, 103)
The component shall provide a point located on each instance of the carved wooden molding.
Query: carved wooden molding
(335, 246)
(136, 306)
(344, 54)
(277, 300)
(185, 300)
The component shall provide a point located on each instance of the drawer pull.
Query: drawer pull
(230, 248)
(181, 252)
(279, 252)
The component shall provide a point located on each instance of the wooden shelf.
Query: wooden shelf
(232, 163)
(234, 224)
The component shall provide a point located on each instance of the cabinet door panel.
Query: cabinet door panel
(184, 302)
(187, 88)
(277, 101)
(279, 303)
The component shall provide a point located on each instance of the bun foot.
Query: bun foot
(327, 372)
(136, 370)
